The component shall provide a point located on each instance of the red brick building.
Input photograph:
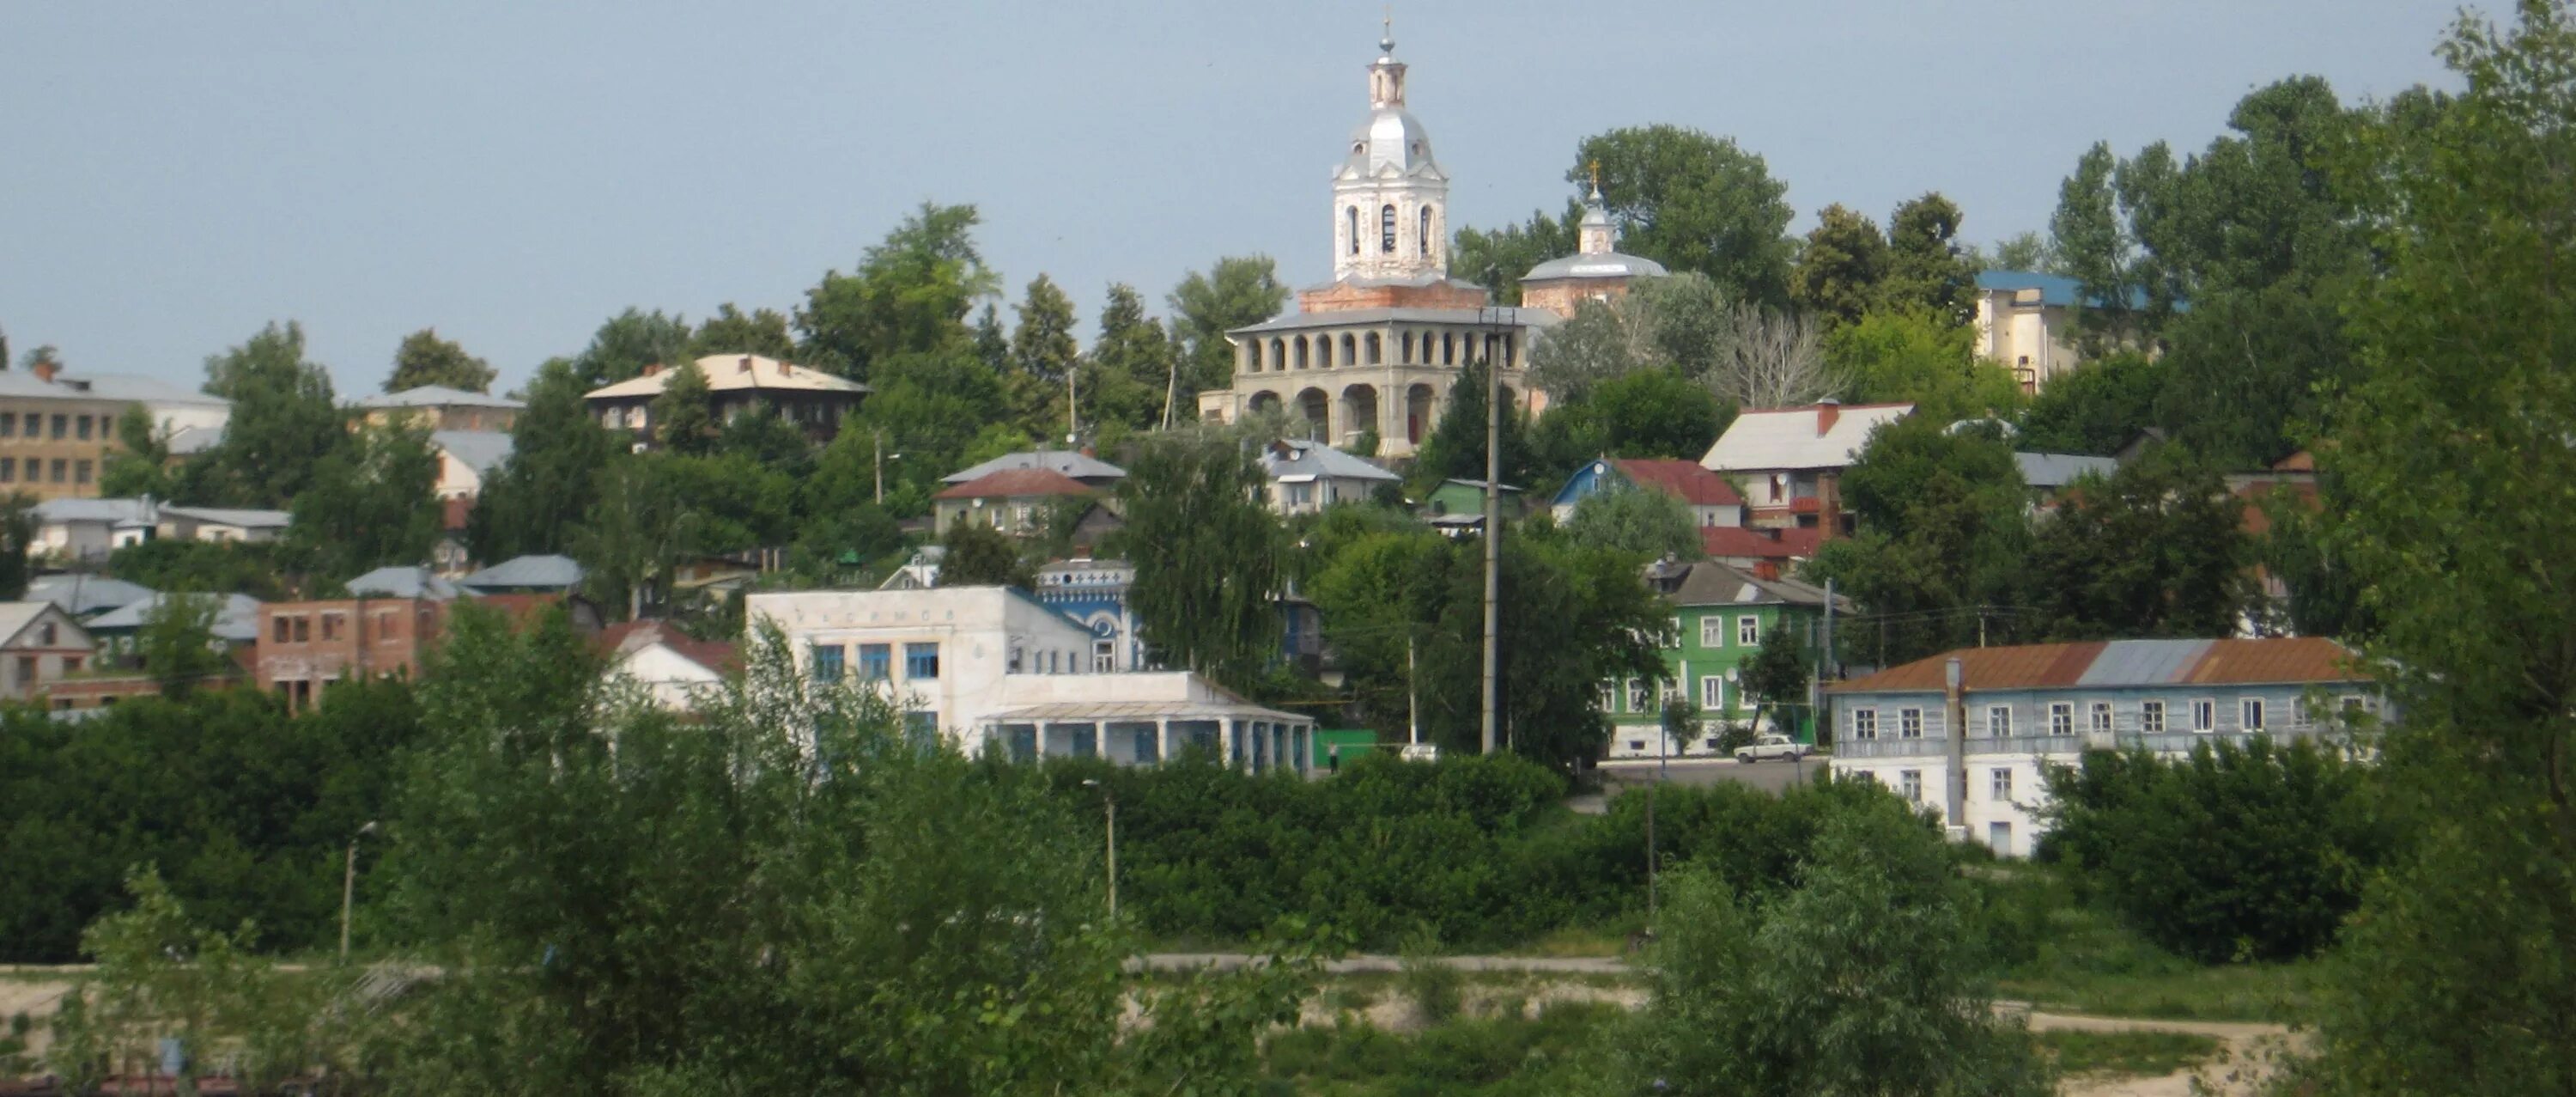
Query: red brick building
(306, 646)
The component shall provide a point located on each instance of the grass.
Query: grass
(1586, 941)
(2147, 1054)
(2063, 956)
(1496, 1056)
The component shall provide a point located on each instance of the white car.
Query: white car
(1772, 746)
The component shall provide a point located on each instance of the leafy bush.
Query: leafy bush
(1434, 986)
(2235, 853)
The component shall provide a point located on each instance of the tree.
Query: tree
(139, 466)
(1941, 556)
(425, 359)
(372, 502)
(1694, 203)
(1456, 447)
(43, 355)
(1128, 378)
(628, 342)
(178, 642)
(631, 539)
(1637, 521)
(1238, 291)
(284, 419)
(684, 415)
(535, 500)
(1926, 269)
(2094, 248)
(1861, 980)
(1206, 554)
(1043, 354)
(1777, 673)
(909, 295)
(1920, 359)
(1775, 361)
(979, 555)
(2097, 407)
(732, 331)
(1838, 273)
(17, 540)
(2023, 251)
(2453, 975)
(2154, 550)
(1497, 259)
(1653, 413)
(1682, 321)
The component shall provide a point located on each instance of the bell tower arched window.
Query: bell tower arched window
(1425, 238)
(1351, 223)
(1386, 230)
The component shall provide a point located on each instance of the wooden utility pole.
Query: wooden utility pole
(1493, 534)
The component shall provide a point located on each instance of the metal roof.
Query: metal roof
(548, 572)
(85, 594)
(237, 619)
(734, 372)
(1080, 466)
(102, 386)
(1605, 265)
(1708, 583)
(1497, 317)
(2100, 664)
(1110, 711)
(403, 581)
(480, 450)
(2056, 470)
(57, 511)
(232, 516)
(439, 396)
(1799, 438)
(1294, 459)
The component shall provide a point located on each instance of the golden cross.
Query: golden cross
(1596, 177)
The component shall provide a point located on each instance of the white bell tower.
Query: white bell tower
(1390, 199)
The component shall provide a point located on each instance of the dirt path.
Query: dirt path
(2248, 1054)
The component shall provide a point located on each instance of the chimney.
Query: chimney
(46, 369)
(746, 364)
(1827, 410)
(652, 368)
(1087, 451)
(1766, 568)
(786, 368)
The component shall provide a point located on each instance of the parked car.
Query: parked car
(1772, 746)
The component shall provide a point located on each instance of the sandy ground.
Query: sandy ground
(2247, 1056)
(33, 995)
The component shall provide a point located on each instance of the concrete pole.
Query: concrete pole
(1493, 547)
(1955, 774)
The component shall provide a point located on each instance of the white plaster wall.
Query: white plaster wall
(975, 627)
(673, 682)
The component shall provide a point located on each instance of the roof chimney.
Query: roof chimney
(1766, 568)
(46, 368)
(746, 364)
(786, 368)
(651, 368)
(1827, 410)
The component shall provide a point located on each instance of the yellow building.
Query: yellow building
(56, 431)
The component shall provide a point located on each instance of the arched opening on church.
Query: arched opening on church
(1425, 239)
(1376, 349)
(1407, 359)
(1386, 230)
(1418, 402)
(1263, 402)
(1317, 410)
(1350, 349)
(1351, 217)
(1303, 362)
(1278, 354)
(1448, 348)
(1359, 412)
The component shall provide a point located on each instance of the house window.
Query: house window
(2151, 717)
(1609, 697)
(1104, 657)
(1637, 696)
(62, 425)
(2061, 718)
(330, 626)
(1424, 240)
(1636, 746)
(71, 664)
(2204, 715)
(2100, 717)
(921, 661)
(1864, 723)
(80, 472)
(1712, 693)
(47, 635)
(1712, 631)
(81, 428)
(1386, 230)
(1298, 495)
(921, 728)
(303, 628)
(8, 424)
(1999, 838)
(1016, 659)
(1748, 632)
(60, 466)
(1909, 723)
(8, 470)
(1999, 721)
(1910, 782)
(827, 662)
(1999, 784)
(26, 669)
(278, 626)
(876, 662)
(2249, 714)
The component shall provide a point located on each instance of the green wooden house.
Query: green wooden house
(1720, 616)
(1461, 503)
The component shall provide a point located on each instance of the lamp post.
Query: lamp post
(349, 887)
(882, 458)
(1109, 804)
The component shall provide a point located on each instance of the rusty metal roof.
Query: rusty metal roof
(2117, 663)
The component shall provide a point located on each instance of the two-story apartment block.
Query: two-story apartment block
(1712, 501)
(1971, 734)
(438, 407)
(807, 398)
(57, 430)
(1305, 477)
(995, 669)
(1787, 463)
(1721, 615)
(305, 647)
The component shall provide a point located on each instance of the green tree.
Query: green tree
(1652, 413)
(372, 502)
(733, 331)
(1695, 203)
(2157, 549)
(1640, 522)
(178, 643)
(2094, 248)
(979, 555)
(628, 342)
(1456, 447)
(1043, 354)
(2023, 251)
(1778, 672)
(254, 568)
(2454, 974)
(684, 415)
(1497, 259)
(909, 295)
(1681, 322)
(1838, 273)
(1920, 359)
(1943, 542)
(44, 355)
(558, 450)
(1206, 554)
(17, 540)
(757, 433)
(425, 359)
(1926, 268)
(285, 419)
(1128, 377)
(139, 465)
(1236, 292)
(2097, 407)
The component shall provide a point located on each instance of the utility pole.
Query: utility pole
(1412, 698)
(880, 437)
(1493, 533)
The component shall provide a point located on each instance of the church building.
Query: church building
(1378, 348)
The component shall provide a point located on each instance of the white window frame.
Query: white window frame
(1864, 723)
(1638, 695)
(2061, 718)
(1999, 721)
(2151, 717)
(2204, 715)
(2098, 717)
(1999, 784)
(1712, 630)
(1910, 783)
(1712, 692)
(1748, 631)
(1609, 696)
(1909, 723)
(2250, 714)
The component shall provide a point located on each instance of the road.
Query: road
(1547, 965)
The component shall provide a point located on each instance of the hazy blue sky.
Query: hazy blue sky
(172, 175)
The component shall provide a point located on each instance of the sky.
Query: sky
(174, 175)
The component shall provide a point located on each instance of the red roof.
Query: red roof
(1739, 542)
(715, 655)
(1017, 484)
(1683, 480)
(2276, 660)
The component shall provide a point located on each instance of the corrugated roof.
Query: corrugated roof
(1143, 710)
(1683, 480)
(730, 372)
(1017, 484)
(1080, 466)
(191, 441)
(1312, 460)
(85, 594)
(232, 516)
(16, 616)
(1791, 438)
(480, 450)
(439, 396)
(237, 619)
(2056, 470)
(58, 511)
(2124, 663)
(549, 572)
(403, 581)
(1709, 583)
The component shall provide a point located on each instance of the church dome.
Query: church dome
(1605, 265)
(1390, 137)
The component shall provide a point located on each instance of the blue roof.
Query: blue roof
(2056, 290)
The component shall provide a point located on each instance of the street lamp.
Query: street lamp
(882, 458)
(349, 887)
(1109, 802)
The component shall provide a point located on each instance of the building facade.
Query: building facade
(58, 430)
(1787, 463)
(809, 399)
(437, 408)
(1375, 351)
(305, 647)
(2030, 708)
(1720, 616)
(1305, 477)
(1020, 502)
(1711, 500)
(2026, 322)
(39, 646)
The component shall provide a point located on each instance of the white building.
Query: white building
(2026, 322)
(90, 529)
(675, 671)
(993, 668)
(465, 457)
(1306, 477)
(39, 644)
(1787, 463)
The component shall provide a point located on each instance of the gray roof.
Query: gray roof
(480, 450)
(439, 396)
(1457, 318)
(526, 572)
(237, 620)
(229, 516)
(1296, 459)
(1078, 465)
(2136, 662)
(1608, 265)
(190, 441)
(404, 581)
(1709, 583)
(57, 511)
(102, 386)
(81, 595)
(2056, 470)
